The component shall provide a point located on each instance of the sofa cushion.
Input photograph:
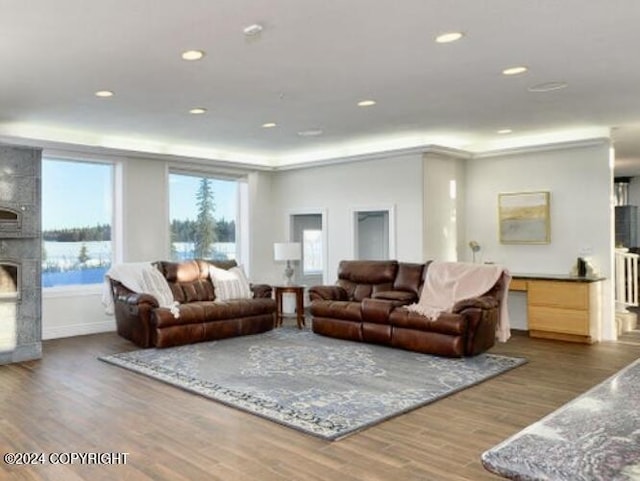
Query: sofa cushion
(188, 280)
(452, 324)
(230, 284)
(368, 272)
(409, 277)
(343, 310)
(361, 279)
(192, 313)
(186, 271)
(200, 290)
(238, 308)
(203, 312)
(397, 297)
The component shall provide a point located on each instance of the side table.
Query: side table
(299, 292)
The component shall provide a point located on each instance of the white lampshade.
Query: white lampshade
(287, 251)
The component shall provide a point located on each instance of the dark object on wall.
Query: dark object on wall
(582, 267)
(626, 226)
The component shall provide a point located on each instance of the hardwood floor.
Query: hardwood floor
(72, 402)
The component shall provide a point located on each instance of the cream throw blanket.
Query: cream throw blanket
(143, 278)
(450, 282)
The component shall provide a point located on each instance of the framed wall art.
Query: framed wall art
(523, 218)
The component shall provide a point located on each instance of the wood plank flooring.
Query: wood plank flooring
(71, 402)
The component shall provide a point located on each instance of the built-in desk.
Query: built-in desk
(566, 308)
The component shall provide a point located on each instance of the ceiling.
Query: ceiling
(313, 61)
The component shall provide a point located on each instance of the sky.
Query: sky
(77, 194)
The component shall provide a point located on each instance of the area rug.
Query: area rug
(322, 386)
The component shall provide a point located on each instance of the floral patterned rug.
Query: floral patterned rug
(326, 387)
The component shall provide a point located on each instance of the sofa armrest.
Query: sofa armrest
(484, 302)
(133, 313)
(134, 299)
(481, 314)
(261, 290)
(328, 293)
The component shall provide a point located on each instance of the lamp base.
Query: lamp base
(288, 274)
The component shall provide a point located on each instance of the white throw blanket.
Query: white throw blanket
(449, 282)
(143, 278)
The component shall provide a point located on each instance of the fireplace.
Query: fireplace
(20, 254)
(9, 281)
(10, 221)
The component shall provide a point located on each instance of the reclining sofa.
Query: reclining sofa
(140, 319)
(368, 304)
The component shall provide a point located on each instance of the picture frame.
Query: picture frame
(524, 217)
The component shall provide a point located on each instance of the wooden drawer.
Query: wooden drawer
(568, 295)
(569, 321)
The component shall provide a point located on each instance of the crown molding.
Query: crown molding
(77, 151)
(528, 149)
(429, 149)
(66, 150)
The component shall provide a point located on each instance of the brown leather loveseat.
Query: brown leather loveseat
(366, 305)
(200, 317)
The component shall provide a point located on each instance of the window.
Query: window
(311, 251)
(77, 201)
(203, 217)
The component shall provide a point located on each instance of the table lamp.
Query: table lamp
(287, 251)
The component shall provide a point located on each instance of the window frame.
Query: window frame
(70, 290)
(231, 175)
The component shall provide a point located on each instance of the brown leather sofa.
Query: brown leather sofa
(366, 305)
(140, 319)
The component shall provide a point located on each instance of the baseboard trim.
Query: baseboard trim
(77, 329)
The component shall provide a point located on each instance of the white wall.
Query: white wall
(71, 312)
(340, 189)
(579, 179)
(444, 208)
(263, 225)
(146, 210)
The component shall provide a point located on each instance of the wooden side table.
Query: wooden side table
(299, 292)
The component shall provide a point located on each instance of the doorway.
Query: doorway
(309, 230)
(373, 234)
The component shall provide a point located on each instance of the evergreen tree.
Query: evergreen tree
(205, 229)
(83, 256)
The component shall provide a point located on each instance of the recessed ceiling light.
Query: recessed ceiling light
(515, 70)
(504, 131)
(252, 30)
(269, 125)
(548, 86)
(104, 93)
(193, 55)
(366, 103)
(449, 37)
(310, 133)
(197, 110)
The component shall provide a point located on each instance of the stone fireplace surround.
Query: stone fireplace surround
(20, 254)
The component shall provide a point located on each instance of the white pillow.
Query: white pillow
(230, 284)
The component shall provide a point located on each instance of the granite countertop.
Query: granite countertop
(557, 277)
(595, 437)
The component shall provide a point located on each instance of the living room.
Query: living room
(440, 194)
(416, 186)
